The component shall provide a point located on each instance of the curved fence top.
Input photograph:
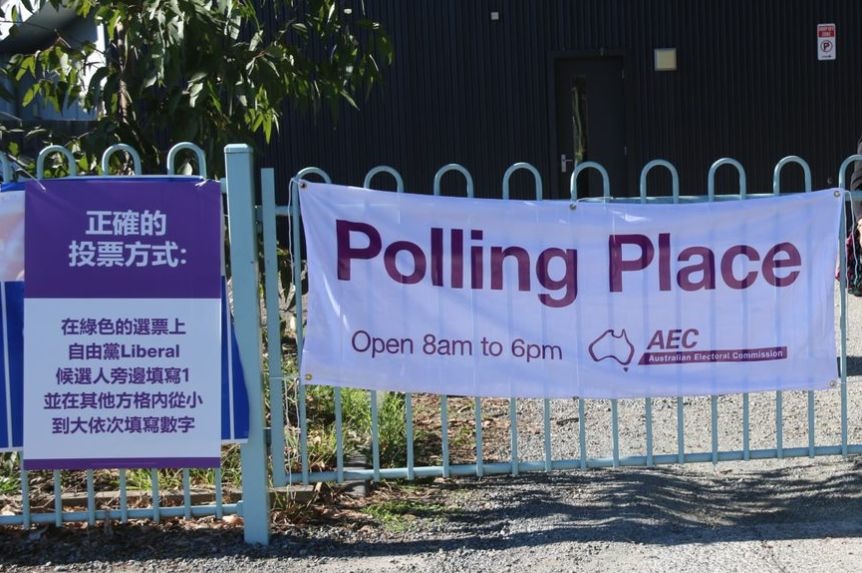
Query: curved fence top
(674, 178)
(48, 151)
(537, 178)
(573, 181)
(187, 146)
(117, 148)
(399, 182)
(776, 173)
(710, 178)
(303, 173)
(438, 177)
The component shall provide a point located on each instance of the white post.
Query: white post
(244, 280)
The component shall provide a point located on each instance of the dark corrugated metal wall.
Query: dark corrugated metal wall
(471, 90)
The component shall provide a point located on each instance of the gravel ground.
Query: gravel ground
(772, 515)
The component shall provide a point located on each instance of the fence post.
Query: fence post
(244, 280)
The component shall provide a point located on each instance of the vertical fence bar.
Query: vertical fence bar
(649, 436)
(296, 255)
(776, 189)
(244, 279)
(513, 427)
(582, 433)
(154, 494)
(743, 194)
(444, 400)
(648, 401)
(187, 494)
(273, 327)
(746, 445)
(680, 430)
(513, 402)
(713, 411)
(25, 499)
(779, 424)
(779, 395)
(408, 420)
(91, 499)
(480, 454)
(339, 435)
(218, 494)
(444, 436)
(58, 499)
(375, 435)
(546, 419)
(615, 432)
(300, 336)
(296, 238)
(810, 424)
(408, 397)
(124, 498)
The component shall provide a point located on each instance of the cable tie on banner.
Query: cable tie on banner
(603, 200)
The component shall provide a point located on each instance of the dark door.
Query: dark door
(590, 118)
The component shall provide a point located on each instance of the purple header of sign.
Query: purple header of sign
(110, 238)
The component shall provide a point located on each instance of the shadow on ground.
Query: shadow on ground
(854, 366)
(652, 506)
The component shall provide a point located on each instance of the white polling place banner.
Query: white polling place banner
(512, 298)
(122, 320)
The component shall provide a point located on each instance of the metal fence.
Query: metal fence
(783, 440)
(126, 500)
(661, 423)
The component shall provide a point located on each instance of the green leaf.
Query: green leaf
(29, 95)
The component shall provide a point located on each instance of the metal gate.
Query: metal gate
(661, 422)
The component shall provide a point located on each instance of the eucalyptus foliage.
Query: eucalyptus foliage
(212, 72)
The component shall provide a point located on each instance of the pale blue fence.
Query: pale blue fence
(301, 472)
(238, 421)
(285, 461)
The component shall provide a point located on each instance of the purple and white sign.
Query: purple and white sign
(122, 320)
(535, 299)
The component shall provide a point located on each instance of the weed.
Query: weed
(398, 515)
(10, 477)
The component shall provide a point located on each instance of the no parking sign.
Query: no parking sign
(825, 41)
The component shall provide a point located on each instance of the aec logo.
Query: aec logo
(618, 347)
